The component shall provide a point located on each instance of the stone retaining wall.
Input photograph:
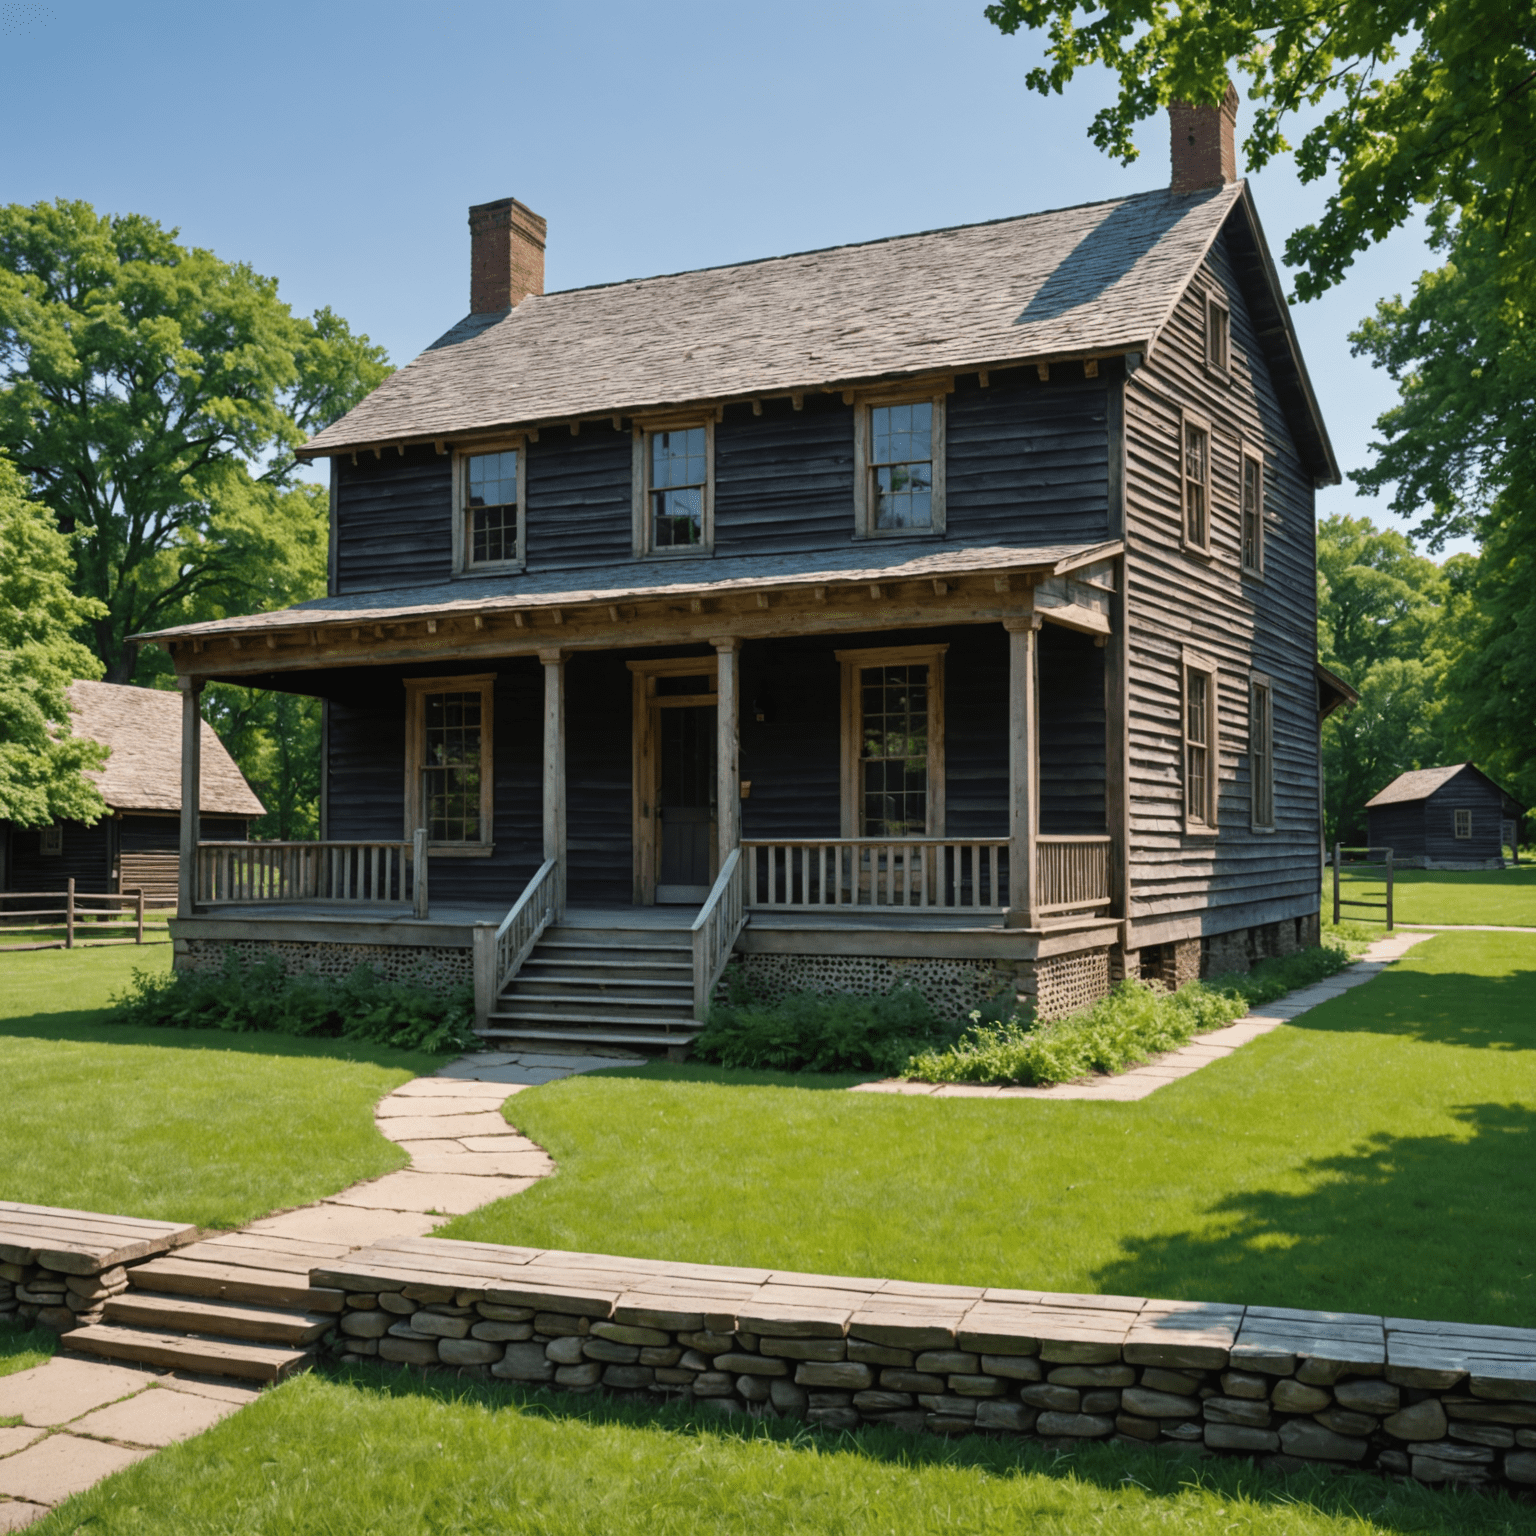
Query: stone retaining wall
(1436, 1402)
(34, 1294)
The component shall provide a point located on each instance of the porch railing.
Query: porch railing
(935, 873)
(375, 873)
(715, 931)
(1071, 874)
(498, 955)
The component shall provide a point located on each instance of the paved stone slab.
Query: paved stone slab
(63, 1388)
(436, 1127)
(392, 1108)
(966, 1091)
(18, 1438)
(448, 1087)
(455, 1194)
(17, 1514)
(354, 1225)
(154, 1418)
(512, 1141)
(61, 1465)
(512, 1075)
(518, 1165)
(224, 1389)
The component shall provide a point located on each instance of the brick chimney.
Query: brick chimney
(1204, 152)
(506, 255)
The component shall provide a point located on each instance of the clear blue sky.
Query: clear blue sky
(337, 146)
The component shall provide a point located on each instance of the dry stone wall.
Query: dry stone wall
(35, 1294)
(1433, 1402)
(437, 969)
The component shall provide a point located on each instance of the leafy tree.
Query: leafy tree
(42, 765)
(145, 388)
(1423, 103)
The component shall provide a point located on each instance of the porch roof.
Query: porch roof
(651, 581)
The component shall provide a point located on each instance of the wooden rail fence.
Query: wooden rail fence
(94, 908)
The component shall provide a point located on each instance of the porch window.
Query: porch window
(1463, 823)
(899, 448)
(1196, 452)
(1261, 752)
(893, 742)
(1200, 745)
(449, 781)
(674, 512)
(491, 505)
(1253, 512)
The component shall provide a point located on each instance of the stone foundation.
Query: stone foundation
(439, 970)
(34, 1294)
(1180, 961)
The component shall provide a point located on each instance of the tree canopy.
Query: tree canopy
(42, 765)
(146, 388)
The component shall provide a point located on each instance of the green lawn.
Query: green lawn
(1376, 1156)
(195, 1126)
(1500, 896)
(379, 1452)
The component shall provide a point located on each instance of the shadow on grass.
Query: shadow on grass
(1162, 1471)
(1458, 1204)
(737, 1077)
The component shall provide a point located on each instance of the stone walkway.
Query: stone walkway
(1201, 1051)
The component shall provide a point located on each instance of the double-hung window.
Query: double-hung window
(448, 787)
(674, 490)
(1464, 823)
(490, 514)
(1252, 495)
(893, 742)
(1195, 474)
(1200, 744)
(1218, 334)
(899, 468)
(1261, 752)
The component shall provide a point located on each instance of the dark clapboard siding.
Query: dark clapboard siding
(1176, 599)
(579, 497)
(394, 519)
(1472, 792)
(86, 859)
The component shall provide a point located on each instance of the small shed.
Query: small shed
(133, 847)
(1454, 817)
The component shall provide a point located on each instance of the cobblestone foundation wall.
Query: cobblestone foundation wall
(34, 1294)
(438, 970)
(1066, 983)
(1221, 954)
(1286, 1401)
(952, 988)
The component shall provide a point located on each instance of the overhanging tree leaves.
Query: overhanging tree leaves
(143, 384)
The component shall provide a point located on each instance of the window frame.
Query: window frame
(640, 477)
(463, 541)
(1216, 303)
(416, 691)
(1261, 726)
(1255, 456)
(852, 664)
(1457, 812)
(50, 841)
(1187, 421)
(937, 396)
(1192, 661)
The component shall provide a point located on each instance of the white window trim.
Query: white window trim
(1456, 814)
(640, 478)
(1188, 419)
(1250, 454)
(416, 690)
(1193, 661)
(1216, 300)
(863, 502)
(854, 662)
(462, 544)
(1260, 682)
(50, 841)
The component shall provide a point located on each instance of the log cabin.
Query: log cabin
(934, 611)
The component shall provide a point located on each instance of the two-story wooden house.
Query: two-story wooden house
(938, 609)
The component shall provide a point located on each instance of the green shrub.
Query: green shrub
(820, 1031)
(1131, 1025)
(260, 997)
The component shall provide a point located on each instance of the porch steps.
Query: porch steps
(217, 1309)
(630, 987)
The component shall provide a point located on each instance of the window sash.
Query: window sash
(1197, 485)
(1200, 759)
(674, 488)
(1253, 513)
(1261, 755)
(1463, 823)
(901, 466)
(1218, 335)
(893, 750)
(449, 775)
(490, 522)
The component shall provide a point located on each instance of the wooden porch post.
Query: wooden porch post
(728, 747)
(1023, 769)
(191, 792)
(554, 763)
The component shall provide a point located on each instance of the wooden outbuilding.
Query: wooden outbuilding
(1454, 817)
(134, 846)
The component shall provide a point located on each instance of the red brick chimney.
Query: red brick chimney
(506, 255)
(1204, 152)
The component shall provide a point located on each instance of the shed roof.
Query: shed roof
(1421, 783)
(1096, 279)
(142, 726)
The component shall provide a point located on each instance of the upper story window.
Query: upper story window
(1261, 752)
(1218, 334)
(1200, 744)
(1195, 453)
(675, 488)
(491, 512)
(449, 774)
(899, 449)
(1253, 512)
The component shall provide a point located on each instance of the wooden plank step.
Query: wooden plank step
(233, 1282)
(205, 1355)
(275, 1243)
(685, 966)
(604, 984)
(576, 1037)
(677, 1023)
(220, 1319)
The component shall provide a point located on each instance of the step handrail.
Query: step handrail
(715, 931)
(499, 952)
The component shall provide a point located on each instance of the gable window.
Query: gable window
(1261, 752)
(1253, 512)
(1196, 475)
(899, 469)
(1463, 823)
(1218, 334)
(449, 780)
(674, 488)
(1200, 744)
(50, 841)
(491, 510)
(893, 742)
